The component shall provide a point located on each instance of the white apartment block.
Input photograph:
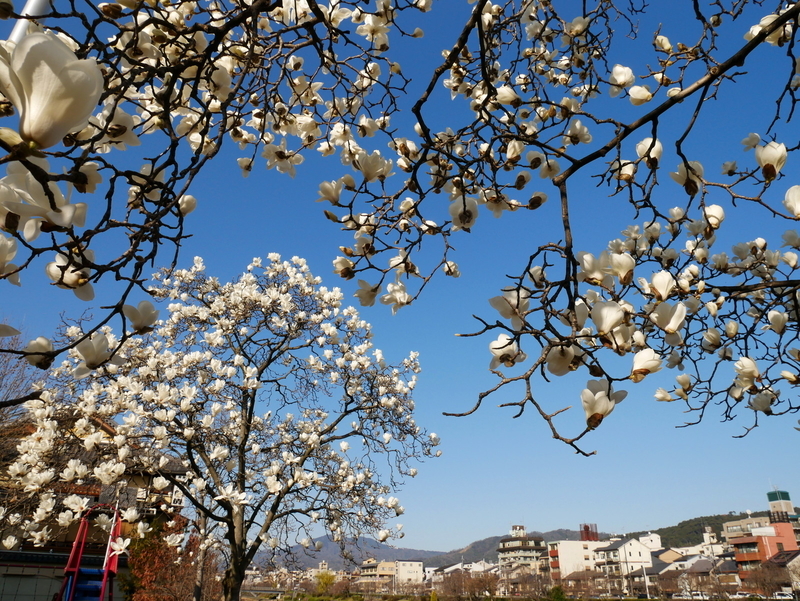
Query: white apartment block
(408, 572)
(566, 557)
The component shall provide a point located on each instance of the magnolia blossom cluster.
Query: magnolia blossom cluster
(261, 400)
(173, 82)
(530, 120)
(689, 311)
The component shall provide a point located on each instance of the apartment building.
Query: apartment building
(408, 573)
(566, 557)
(389, 576)
(762, 544)
(520, 550)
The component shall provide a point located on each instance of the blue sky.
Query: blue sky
(497, 471)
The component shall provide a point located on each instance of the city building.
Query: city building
(762, 544)
(518, 558)
(408, 574)
(566, 557)
(619, 558)
(389, 576)
(519, 549)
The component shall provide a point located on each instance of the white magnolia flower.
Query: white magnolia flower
(777, 320)
(650, 150)
(54, 92)
(367, 293)
(507, 95)
(396, 295)
(762, 401)
(640, 95)
(607, 316)
(559, 360)
(645, 362)
(662, 285)
(120, 545)
(94, 351)
(621, 77)
(777, 38)
(714, 215)
(6, 330)
(463, 212)
(662, 43)
(505, 351)
(599, 400)
(513, 305)
(10, 542)
(792, 201)
(751, 141)
(67, 271)
(771, 158)
(130, 515)
(747, 372)
(577, 133)
(689, 177)
(141, 317)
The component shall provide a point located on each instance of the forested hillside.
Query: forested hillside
(690, 532)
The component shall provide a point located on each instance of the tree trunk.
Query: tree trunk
(232, 583)
(197, 594)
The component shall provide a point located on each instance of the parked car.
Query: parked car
(782, 595)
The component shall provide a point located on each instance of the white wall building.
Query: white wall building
(621, 557)
(564, 557)
(652, 541)
(408, 573)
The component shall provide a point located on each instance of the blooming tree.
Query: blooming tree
(541, 99)
(267, 391)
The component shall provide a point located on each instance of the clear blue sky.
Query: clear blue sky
(496, 471)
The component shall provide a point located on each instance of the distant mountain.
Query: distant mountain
(362, 549)
(683, 534)
(484, 549)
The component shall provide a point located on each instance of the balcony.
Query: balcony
(742, 557)
(553, 552)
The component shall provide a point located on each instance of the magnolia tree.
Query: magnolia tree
(122, 104)
(268, 392)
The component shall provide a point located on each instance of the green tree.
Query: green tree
(556, 593)
(324, 582)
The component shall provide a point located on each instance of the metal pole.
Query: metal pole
(33, 8)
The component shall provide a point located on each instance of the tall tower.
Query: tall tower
(779, 502)
(589, 532)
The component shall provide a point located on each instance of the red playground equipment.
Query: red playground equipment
(91, 584)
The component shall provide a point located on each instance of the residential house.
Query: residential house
(647, 579)
(787, 564)
(619, 558)
(584, 584)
